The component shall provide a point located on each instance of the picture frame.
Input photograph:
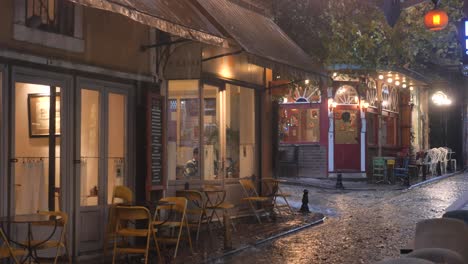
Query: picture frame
(38, 115)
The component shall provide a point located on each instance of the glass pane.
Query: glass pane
(240, 132)
(183, 130)
(346, 127)
(116, 143)
(89, 147)
(31, 130)
(299, 125)
(211, 139)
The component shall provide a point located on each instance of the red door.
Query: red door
(347, 139)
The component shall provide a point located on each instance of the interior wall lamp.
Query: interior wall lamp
(331, 104)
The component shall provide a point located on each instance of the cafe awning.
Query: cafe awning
(177, 17)
(260, 37)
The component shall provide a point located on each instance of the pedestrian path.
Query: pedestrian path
(460, 204)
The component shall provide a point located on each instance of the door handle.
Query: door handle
(14, 160)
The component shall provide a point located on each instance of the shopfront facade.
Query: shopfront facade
(364, 116)
(67, 116)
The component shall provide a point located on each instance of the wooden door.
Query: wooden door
(347, 139)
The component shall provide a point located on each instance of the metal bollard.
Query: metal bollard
(305, 202)
(339, 181)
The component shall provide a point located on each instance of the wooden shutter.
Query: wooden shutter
(155, 144)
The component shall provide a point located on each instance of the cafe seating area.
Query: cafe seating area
(407, 169)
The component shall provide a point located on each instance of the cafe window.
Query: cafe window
(389, 132)
(371, 93)
(183, 130)
(299, 125)
(55, 16)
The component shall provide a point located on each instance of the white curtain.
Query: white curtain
(31, 187)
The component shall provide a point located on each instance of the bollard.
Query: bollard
(227, 231)
(305, 202)
(339, 181)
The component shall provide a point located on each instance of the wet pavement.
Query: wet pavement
(362, 226)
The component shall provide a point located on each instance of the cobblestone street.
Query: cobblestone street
(362, 226)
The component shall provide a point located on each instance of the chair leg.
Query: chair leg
(157, 246)
(188, 233)
(255, 212)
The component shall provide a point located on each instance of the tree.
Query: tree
(355, 32)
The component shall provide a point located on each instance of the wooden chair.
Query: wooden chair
(62, 223)
(378, 169)
(272, 186)
(176, 209)
(124, 216)
(252, 197)
(6, 251)
(120, 195)
(198, 208)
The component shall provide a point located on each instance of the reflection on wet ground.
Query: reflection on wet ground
(362, 226)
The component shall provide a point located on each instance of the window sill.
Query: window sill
(48, 39)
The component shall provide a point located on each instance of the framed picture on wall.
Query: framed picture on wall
(39, 115)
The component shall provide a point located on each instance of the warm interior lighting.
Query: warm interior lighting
(384, 103)
(335, 74)
(403, 85)
(389, 80)
(307, 81)
(411, 88)
(397, 83)
(440, 98)
(380, 77)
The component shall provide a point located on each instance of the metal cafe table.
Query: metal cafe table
(30, 219)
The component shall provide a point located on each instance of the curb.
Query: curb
(436, 179)
(257, 243)
(332, 187)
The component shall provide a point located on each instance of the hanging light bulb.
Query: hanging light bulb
(403, 85)
(397, 83)
(389, 80)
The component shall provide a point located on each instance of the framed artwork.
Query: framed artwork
(38, 115)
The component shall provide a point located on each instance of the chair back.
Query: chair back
(131, 213)
(378, 163)
(445, 233)
(177, 205)
(249, 187)
(192, 196)
(124, 193)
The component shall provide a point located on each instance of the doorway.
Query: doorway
(102, 121)
(347, 130)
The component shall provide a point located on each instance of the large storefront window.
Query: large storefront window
(240, 132)
(228, 129)
(183, 130)
(299, 125)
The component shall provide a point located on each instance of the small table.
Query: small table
(31, 219)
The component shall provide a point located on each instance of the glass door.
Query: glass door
(103, 158)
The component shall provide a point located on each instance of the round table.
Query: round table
(31, 219)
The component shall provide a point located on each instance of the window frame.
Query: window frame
(21, 32)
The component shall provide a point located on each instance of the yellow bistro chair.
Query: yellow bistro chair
(6, 251)
(272, 186)
(61, 222)
(124, 215)
(177, 209)
(198, 208)
(120, 195)
(252, 197)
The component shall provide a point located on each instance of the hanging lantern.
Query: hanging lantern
(436, 20)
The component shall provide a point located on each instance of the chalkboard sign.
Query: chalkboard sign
(155, 143)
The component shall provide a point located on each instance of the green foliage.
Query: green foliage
(355, 32)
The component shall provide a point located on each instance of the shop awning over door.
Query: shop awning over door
(259, 36)
(177, 17)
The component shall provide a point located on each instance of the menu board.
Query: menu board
(155, 141)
